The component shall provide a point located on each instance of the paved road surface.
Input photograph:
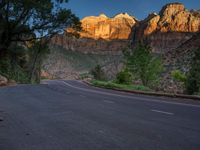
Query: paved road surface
(69, 115)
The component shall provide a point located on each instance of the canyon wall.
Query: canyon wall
(167, 30)
(88, 45)
(173, 33)
(99, 34)
(101, 41)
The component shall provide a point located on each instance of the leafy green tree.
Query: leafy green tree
(193, 77)
(23, 20)
(98, 73)
(143, 64)
(37, 52)
(29, 21)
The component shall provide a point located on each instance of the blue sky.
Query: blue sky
(138, 8)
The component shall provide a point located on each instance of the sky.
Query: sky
(138, 8)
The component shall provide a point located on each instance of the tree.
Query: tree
(143, 64)
(23, 20)
(193, 77)
(37, 52)
(30, 21)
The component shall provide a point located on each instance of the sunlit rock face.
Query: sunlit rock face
(100, 34)
(170, 28)
(102, 27)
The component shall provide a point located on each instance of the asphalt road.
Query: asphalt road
(69, 115)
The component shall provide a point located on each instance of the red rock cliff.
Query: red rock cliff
(169, 29)
(99, 34)
(118, 27)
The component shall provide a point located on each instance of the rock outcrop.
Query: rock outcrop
(87, 45)
(170, 28)
(3, 80)
(99, 34)
(103, 27)
(179, 59)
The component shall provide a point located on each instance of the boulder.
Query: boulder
(3, 80)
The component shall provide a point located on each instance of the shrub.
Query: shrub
(178, 76)
(124, 77)
(112, 85)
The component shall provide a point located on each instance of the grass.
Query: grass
(112, 85)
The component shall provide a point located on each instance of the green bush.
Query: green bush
(178, 76)
(124, 77)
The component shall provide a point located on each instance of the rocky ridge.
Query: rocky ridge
(170, 28)
(88, 45)
(103, 27)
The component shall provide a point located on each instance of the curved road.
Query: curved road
(69, 115)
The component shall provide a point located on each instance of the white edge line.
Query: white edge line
(163, 112)
(130, 97)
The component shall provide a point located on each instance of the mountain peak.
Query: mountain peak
(103, 15)
(123, 15)
(171, 9)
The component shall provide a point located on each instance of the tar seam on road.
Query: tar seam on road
(130, 97)
(162, 112)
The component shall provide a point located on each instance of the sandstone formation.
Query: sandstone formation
(103, 27)
(86, 45)
(169, 29)
(102, 38)
(99, 34)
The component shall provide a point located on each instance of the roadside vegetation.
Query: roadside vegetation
(113, 85)
(143, 71)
